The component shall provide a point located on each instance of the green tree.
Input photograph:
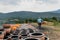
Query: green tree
(54, 18)
(45, 19)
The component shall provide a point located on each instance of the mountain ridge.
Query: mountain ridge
(29, 14)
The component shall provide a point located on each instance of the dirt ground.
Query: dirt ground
(51, 31)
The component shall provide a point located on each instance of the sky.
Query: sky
(29, 5)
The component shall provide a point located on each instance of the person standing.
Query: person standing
(39, 21)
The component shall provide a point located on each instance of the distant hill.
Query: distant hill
(58, 11)
(28, 14)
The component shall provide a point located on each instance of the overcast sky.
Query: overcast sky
(29, 5)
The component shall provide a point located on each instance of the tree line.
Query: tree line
(26, 20)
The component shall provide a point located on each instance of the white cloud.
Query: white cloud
(29, 5)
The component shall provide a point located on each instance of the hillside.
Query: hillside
(27, 14)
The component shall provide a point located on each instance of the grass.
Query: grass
(53, 30)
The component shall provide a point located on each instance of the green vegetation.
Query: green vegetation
(55, 20)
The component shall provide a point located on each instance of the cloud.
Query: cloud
(29, 5)
(49, 1)
(9, 2)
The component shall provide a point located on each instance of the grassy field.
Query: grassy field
(51, 30)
